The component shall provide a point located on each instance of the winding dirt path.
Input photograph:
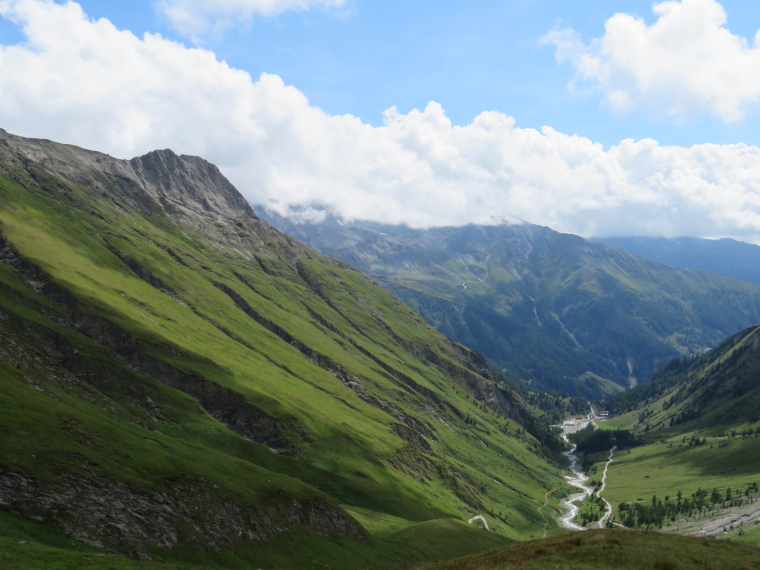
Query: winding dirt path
(608, 508)
(480, 518)
(546, 504)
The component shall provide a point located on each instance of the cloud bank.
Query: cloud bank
(687, 62)
(85, 82)
(198, 18)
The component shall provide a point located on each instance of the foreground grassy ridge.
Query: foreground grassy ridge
(595, 549)
(290, 331)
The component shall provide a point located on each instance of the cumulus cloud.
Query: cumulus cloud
(197, 18)
(85, 82)
(685, 63)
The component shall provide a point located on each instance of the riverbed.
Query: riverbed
(577, 479)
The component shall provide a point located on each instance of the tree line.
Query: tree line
(657, 512)
(590, 440)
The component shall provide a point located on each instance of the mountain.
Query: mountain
(717, 391)
(726, 257)
(184, 383)
(553, 309)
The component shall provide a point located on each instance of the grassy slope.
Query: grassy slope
(707, 395)
(612, 549)
(590, 550)
(24, 547)
(346, 448)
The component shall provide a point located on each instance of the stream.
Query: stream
(578, 479)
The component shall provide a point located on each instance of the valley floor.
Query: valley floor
(659, 472)
(729, 522)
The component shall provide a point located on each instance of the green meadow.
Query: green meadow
(666, 468)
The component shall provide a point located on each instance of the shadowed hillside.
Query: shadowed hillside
(554, 309)
(717, 390)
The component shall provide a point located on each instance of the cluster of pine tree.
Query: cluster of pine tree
(655, 513)
(590, 440)
(557, 407)
(592, 509)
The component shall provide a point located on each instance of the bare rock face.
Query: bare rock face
(114, 517)
(189, 184)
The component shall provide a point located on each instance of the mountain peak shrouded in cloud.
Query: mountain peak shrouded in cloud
(87, 82)
(685, 63)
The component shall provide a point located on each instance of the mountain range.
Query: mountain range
(726, 257)
(558, 311)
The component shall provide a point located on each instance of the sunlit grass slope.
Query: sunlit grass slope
(220, 366)
(666, 469)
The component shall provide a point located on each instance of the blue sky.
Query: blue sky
(596, 118)
(367, 56)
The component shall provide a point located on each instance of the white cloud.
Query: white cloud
(687, 62)
(84, 82)
(197, 18)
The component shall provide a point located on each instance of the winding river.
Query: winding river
(578, 479)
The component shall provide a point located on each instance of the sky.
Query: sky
(599, 118)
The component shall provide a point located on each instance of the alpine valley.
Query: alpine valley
(556, 310)
(184, 386)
